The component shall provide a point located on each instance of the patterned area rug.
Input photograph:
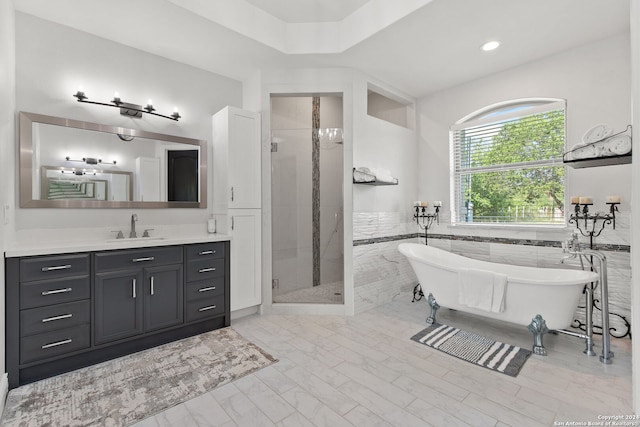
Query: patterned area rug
(474, 348)
(129, 389)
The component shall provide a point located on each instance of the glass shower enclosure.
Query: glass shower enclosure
(307, 199)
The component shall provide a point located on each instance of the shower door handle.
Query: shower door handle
(232, 223)
(232, 194)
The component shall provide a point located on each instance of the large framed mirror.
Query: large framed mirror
(68, 163)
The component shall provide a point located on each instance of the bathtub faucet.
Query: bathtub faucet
(572, 246)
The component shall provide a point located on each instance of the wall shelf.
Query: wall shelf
(623, 159)
(369, 179)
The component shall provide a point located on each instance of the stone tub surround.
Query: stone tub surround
(48, 241)
(381, 272)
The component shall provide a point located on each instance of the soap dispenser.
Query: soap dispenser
(211, 225)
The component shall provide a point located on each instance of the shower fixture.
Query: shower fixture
(589, 220)
(425, 219)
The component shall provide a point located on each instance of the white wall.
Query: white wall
(379, 144)
(635, 260)
(595, 81)
(7, 150)
(53, 60)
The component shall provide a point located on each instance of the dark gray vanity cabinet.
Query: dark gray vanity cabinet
(206, 273)
(53, 307)
(68, 311)
(137, 291)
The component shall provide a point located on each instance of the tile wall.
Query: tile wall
(381, 272)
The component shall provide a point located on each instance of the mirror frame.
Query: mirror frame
(26, 162)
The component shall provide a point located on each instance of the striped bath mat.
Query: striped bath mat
(474, 348)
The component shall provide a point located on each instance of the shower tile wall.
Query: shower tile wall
(381, 273)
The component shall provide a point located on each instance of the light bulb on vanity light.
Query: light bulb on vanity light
(175, 114)
(116, 98)
(149, 106)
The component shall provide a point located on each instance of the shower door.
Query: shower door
(307, 249)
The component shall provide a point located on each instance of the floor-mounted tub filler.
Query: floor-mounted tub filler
(544, 299)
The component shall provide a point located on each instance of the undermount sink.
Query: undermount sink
(135, 239)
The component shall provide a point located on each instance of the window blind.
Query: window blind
(515, 144)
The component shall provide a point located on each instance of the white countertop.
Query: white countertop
(32, 247)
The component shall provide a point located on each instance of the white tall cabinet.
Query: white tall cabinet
(237, 194)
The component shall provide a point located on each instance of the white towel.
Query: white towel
(482, 289)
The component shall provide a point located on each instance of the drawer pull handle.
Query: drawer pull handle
(51, 319)
(207, 252)
(55, 344)
(210, 288)
(57, 291)
(151, 285)
(211, 307)
(148, 258)
(57, 267)
(206, 270)
(133, 288)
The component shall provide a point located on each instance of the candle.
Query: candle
(416, 203)
(585, 200)
(437, 203)
(424, 204)
(614, 199)
(575, 200)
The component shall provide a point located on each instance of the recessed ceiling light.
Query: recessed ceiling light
(493, 44)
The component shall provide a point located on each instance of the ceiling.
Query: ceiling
(417, 46)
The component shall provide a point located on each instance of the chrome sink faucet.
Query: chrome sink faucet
(134, 218)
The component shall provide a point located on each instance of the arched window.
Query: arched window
(506, 164)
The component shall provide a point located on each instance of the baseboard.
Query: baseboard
(4, 391)
(244, 312)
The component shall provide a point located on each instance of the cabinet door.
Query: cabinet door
(246, 265)
(237, 159)
(118, 305)
(163, 291)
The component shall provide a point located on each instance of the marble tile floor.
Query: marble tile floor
(365, 371)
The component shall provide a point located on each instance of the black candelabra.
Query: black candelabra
(589, 221)
(425, 219)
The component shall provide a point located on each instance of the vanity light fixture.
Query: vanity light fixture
(127, 109)
(490, 45)
(90, 161)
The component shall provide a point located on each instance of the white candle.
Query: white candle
(416, 203)
(614, 199)
(424, 204)
(437, 203)
(575, 200)
(585, 201)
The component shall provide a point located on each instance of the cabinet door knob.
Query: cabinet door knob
(133, 287)
(207, 253)
(206, 270)
(211, 307)
(151, 285)
(210, 288)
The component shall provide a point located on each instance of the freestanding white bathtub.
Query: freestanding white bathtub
(530, 291)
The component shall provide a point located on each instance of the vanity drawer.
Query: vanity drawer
(50, 344)
(47, 292)
(148, 257)
(205, 269)
(51, 318)
(51, 267)
(205, 289)
(205, 308)
(205, 250)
